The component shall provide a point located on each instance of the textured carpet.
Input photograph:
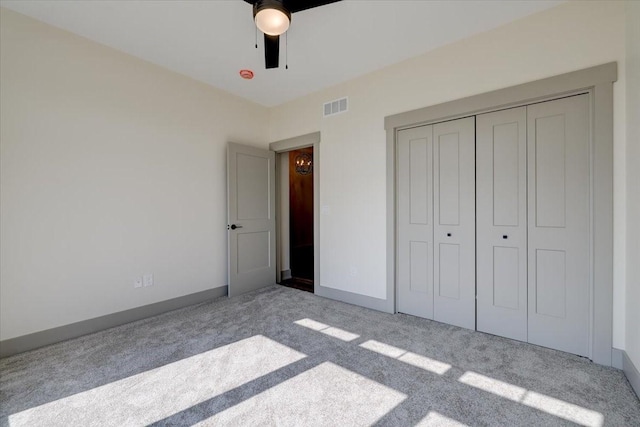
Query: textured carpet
(280, 356)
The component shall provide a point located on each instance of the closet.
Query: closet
(493, 223)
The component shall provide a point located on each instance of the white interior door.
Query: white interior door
(251, 218)
(415, 221)
(501, 194)
(454, 222)
(558, 209)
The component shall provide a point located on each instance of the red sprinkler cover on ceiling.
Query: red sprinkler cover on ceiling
(246, 74)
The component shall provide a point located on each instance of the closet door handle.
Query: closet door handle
(504, 236)
(448, 234)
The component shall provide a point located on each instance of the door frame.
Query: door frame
(598, 83)
(284, 146)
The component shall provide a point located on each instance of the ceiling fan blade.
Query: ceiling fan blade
(271, 51)
(300, 5)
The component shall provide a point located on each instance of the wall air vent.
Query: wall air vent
(335, 107)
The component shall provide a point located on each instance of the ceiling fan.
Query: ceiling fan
(273, 17)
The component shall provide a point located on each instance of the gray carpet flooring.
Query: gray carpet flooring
(284, 357)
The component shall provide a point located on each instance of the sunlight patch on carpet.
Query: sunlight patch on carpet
(559, 408)
(497, 387)
(155, 394)
(562, 409)
(332, 331)
(325, 395)
(435, 419)
(407, 357)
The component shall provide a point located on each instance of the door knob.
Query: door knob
(448, 234)
(504, 236)
(233, 226)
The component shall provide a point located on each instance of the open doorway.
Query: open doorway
(306, 263)
(296, 218)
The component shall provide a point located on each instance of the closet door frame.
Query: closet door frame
(597, 82)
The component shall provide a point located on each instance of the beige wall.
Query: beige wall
(110, 168)
(570, 37)
(633, 182)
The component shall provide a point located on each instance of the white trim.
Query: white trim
(51, 336)
(617, 357)
(631, 371)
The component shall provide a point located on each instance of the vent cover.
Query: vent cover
(335, 107)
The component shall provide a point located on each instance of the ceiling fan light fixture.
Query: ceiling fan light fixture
(271, 17)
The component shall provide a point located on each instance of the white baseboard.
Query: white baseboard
(51, 336)
(631, 371)
(355, 299)
(286, 274)
(617, 356)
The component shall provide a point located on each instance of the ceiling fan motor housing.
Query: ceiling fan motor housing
(270, 22)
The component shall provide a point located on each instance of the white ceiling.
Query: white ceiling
(212, 40)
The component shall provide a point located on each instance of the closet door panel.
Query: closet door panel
(508, 154)
(550, 171)
(502, 223)
(449, 179)
(507, 276)
(454, 222)
(415, 221)
(449, 269)
(559, 238)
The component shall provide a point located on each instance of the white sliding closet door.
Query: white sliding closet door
(415, 221)
(501, 172)
(454, 222)
(559, 220)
